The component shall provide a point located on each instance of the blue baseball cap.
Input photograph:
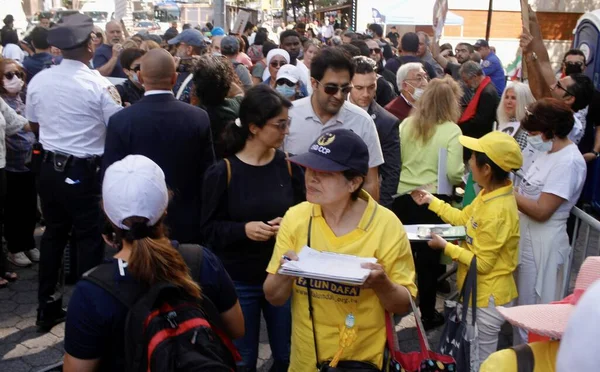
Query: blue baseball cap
(190, 36)
(336, 151)
(218, 31)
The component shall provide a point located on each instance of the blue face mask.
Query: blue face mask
(286, 91)
(537, 142)
(134, 78)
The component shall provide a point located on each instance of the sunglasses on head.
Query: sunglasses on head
(278, 64)
(10, 75)
(286, 82)
(333, 89)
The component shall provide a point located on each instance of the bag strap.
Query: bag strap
(184, 85)
(127, 292)
(392, 337)
(193, 255)
(469, 290)
(310, 304)
(289, 165)
(525, 358)
(228, 165)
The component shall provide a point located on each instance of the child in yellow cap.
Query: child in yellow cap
(492, 226)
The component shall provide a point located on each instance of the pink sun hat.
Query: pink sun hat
(550, 320)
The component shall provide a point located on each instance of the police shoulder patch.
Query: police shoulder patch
(486, 63)
(114, 93)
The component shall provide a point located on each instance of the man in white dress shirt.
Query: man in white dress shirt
(327, 109)
(68, 106)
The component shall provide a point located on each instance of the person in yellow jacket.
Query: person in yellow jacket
(492, 225)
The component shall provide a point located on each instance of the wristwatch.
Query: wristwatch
(596, 153)
(533, 57)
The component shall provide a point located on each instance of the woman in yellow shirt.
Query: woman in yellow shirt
(430, 129)
(492, 224)
(340, 217)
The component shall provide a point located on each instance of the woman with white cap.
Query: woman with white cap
(289, 83)
(135, 199)
(275, 59)
(492, 227)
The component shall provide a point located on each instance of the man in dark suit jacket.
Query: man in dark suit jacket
(479, 116)
(387, 129)
(173, 134)
(363, 95)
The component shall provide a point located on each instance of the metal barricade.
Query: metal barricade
(589, 224)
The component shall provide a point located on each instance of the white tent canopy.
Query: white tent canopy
(409, 13)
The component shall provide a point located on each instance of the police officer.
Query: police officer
(491, 65)
(68, 106)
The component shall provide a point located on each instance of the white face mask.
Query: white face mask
(13, 85)
(538, 143)
(418, 93)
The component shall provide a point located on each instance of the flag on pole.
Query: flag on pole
(515, 68)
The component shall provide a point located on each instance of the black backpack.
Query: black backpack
(166, 330)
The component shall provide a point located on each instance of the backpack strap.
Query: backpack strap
(193, 255)
(289, 164)
(184, 85)
(228, 165)
(525, 358)
(127, 292)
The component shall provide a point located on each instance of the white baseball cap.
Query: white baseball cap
(134, 186)
(289, 72)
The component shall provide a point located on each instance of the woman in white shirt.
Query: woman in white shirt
(11, 48)
(511, 111)
(545, 197)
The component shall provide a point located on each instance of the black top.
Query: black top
(96, 319)
(483, 121)
(385, 91)
(255, 193)
(592, 120)
(394, 63)
(177, 137)
(453, 69)
(129, 92)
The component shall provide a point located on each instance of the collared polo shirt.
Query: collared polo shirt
(306, 127)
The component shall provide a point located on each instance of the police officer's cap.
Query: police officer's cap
(72, 32)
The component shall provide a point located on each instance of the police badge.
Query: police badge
(114, 93)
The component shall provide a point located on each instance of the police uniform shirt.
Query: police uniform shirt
(492, 67)
(72, 105)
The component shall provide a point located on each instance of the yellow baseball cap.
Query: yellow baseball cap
(500, 147)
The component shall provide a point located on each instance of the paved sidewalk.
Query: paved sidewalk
(22, 349)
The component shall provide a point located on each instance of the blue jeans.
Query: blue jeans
(279, 327)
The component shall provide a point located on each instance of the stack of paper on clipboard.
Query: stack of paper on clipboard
(423, 232)
(333, 267)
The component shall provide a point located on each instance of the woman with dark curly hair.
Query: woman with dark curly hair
(218, 92)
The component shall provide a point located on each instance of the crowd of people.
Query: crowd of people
(255, 148)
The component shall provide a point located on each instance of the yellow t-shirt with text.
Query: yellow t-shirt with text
(379, 234)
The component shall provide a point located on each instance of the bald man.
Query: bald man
(174, 134)
(106, 57)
